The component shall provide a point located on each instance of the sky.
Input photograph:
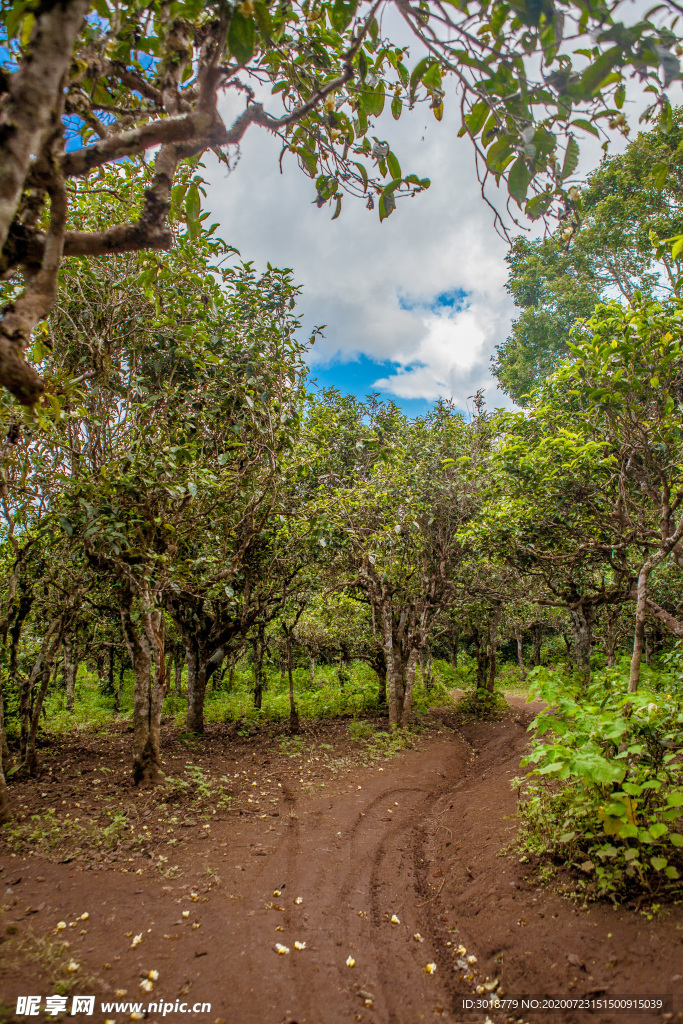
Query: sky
(412, 307)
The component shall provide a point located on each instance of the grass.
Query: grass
(324, 699)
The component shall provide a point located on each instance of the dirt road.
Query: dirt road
(409, 847)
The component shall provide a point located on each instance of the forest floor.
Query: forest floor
(258, 839)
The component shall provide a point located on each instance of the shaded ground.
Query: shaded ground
(330, 843)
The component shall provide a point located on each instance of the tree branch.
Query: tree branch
(35, 90)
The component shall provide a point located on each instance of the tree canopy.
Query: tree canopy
(90, 89)
(628, 207)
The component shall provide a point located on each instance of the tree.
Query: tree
(626, 378)
(393, 526)
(627, 206)
(554, 514)
(87, 86)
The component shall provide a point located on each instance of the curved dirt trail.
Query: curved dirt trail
(419, 837)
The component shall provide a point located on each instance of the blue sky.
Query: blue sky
(357, 377)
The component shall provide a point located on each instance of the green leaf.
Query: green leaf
(241, 37)
(342, 14)
(660, 173)
(658, 830)
(394, 166)
(363, 173)
(676, 839)
(193, 204)
(518, 180)
(387, 205)
(595, 74)
(571, 159)
(586, 126)
(14, 18)
(396, 107)
(418, 71)
(671, 872)
(658, 863)
(373, 99)
(476, 118)
(432, 77)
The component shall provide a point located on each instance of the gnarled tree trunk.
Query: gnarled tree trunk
(196, 689)
(144, 639)
(582, 626)
(520, 653)
(407, 707)
(538, 635)
(5, 805)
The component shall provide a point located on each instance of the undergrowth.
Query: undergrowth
(605, 794)
(325, 698)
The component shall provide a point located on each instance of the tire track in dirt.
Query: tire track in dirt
(369, 867)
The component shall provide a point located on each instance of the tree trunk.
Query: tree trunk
(196, 690)
(259, 651)
(5, 805)
(231, 673)
(430, 670)
(493, 646)
(391, 656)
(454, 656)
(142, 642)
(582, 623)
(482, 660)
(568, 649)
(29, 709)
(293, 713)
(40, 677)
(31, 758)
(639, 632)
(70, 670)
(407, 708)
(311, 668)
(178, 670)
(520, 653)
(537, 644)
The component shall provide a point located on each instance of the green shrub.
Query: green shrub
(481, 704)
(605, 795)
(360, 730)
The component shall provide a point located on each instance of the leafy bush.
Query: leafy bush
(481, 704)
(360, 730)
(606, 793)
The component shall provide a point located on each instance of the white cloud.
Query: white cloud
(356, 271)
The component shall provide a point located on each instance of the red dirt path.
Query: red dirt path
(418, 836)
